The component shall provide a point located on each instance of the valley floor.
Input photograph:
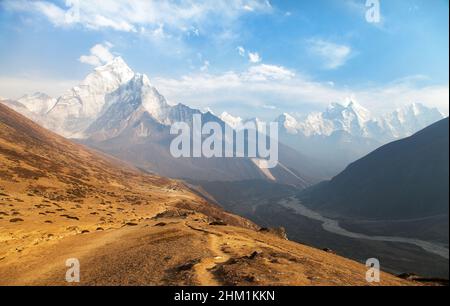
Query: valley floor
(333, 226)
(263, 203)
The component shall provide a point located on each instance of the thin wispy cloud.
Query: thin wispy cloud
(130, 16)
(265, 72)
(333, 55)
(264, 86)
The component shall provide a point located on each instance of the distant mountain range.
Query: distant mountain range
(118, 111)
(404, 179)
(357, 121)
(345, 133)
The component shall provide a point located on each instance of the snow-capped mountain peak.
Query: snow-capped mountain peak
(408, 119)
(114, 93)
(357, 121)
(126, 105)
(139, 92)
(416, 109)
(75, 110)
(153, 102)
(316, 124)
(38, 102)
(230, 119)
(116, 70)
(362, 113)
(351, 118)
(36, 95)
(289, 123)
(106, 78)
(353, 111)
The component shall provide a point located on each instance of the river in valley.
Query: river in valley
(333, 226)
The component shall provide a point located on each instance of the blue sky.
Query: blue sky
(249, 57)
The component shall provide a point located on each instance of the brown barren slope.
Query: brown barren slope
(59, 200)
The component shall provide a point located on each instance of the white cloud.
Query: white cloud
(99, 21)
(241, 51)
(127, 16)
(254, 57)
(90, 60)
(265, 72)
(99, 54)
(51, 11)
(263, 86)
(256, 87)
(398, 93)
(333, 55)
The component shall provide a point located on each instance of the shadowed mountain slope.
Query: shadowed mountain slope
(405, 179)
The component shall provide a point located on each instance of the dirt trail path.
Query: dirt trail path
(203, 268)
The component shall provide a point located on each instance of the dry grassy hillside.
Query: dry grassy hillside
(59, 200)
